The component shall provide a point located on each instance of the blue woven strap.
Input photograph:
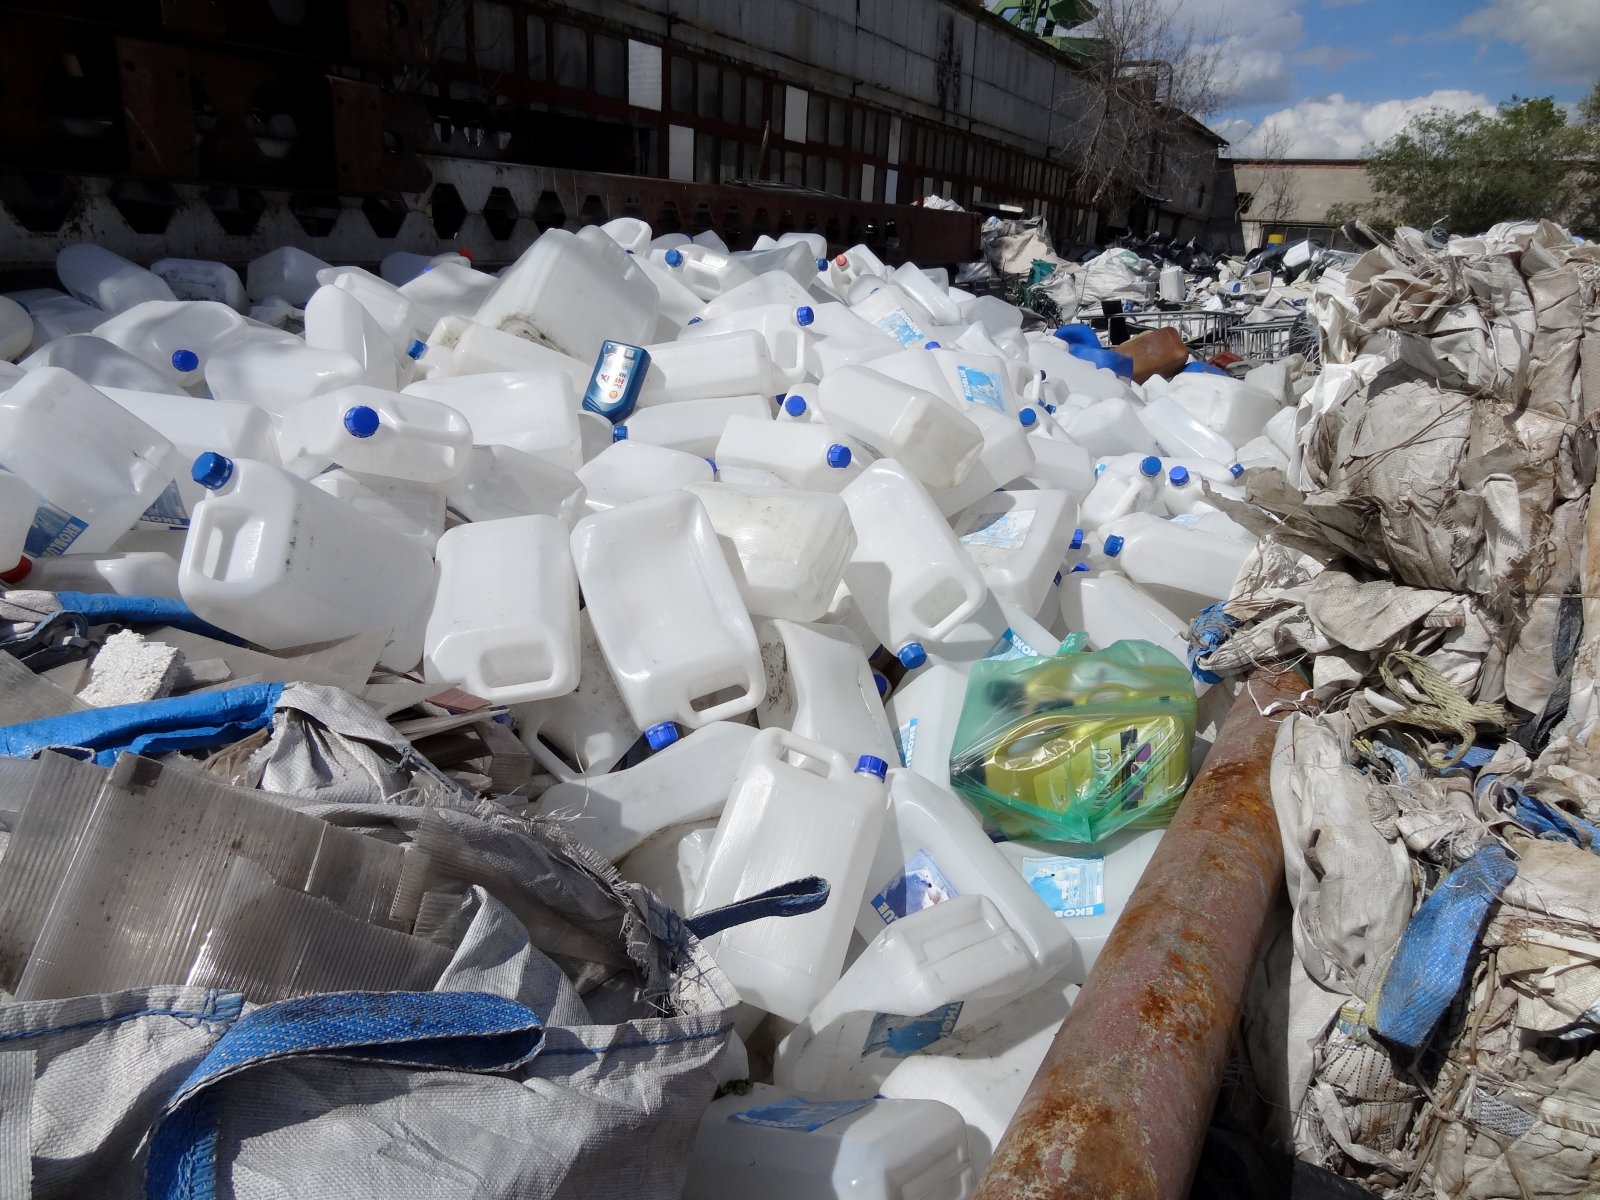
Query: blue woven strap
(786, 900)
(193, 722)
(1437, 947)
(460, 1031)
(1545, 820)
(104, 608)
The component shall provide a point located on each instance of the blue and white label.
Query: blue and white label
(905, 741)
(918, 885)
(798, 1113)
(1070, 887)
(618, 376)
(1010, 645)
(1001, 530)
(1187, 520)
(901, 1037)
(980, 387)
(168, 509)
(53, 531)
(901, 327)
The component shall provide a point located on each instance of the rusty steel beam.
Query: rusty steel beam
(1120, 1105)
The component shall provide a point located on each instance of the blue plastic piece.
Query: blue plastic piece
(417, 348)
(912, 655)
(695, 320)
(1079, 568)
(618, 376)
(1113, 545)
(661, 736)
(1236, 470)
(107, 608)
(1210, 628)
(1200, 367)
(882, 684)
(838, 455)
(804, 315)
(1077, 540)
(674, 258)
(867, 764)
(1058, 579)
(795, 406)
(1051, 409)
(361, 420)
(212, 470)
(1029, 418)
(1150, 466)
(1118, 364)
(712, 463)
(619, 433)
(1078, 334)
(1178, 476)
(822, 264)
(932, 345)
(185, 360)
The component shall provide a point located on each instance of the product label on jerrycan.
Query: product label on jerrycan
(618, 375)
(918, 885)
(1070, 887)
(797, 1113)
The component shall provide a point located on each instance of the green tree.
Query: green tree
(1470, 170)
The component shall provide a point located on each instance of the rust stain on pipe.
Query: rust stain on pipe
(1121, 1103)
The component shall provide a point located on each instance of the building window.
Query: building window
(682, 85)
(680, 152)
(538, 52)
(610, 66)
(572, 57)
(794, 119)
(644, 75)
(493, 45)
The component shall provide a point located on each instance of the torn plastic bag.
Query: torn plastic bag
(194, 722)
(1076, 746)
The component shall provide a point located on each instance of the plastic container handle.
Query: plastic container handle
(839, 767)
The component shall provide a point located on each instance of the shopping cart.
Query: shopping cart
(1268, 341)
(1202, 329)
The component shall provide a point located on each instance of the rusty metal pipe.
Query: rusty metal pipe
(1120, 1105)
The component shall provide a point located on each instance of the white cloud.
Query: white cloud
(1560, 37)
(1330, 58)
(1334, 127)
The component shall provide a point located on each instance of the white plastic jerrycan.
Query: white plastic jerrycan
(841, 338)
(445, 289)
(336, 320)
(572, 291)
(910, 578)
(923, 714)
(458, 346)
(95, 360)
(767, 1141)
(686, 780)
(1110, 608)
(693, 426)
(820, 688)
(1108, 427)
(1006, 457)
(786, 547)
(704, 270)
(1062, 464)
(124, 573)
(587, 730)
(175, 337)
(785, 328)
(1152, 550)
(376, 432)
(999, 629)
(783, 822)
(16, 330)
(979, 379)
(1123, 487)
(414, 509)
(1179, 434)
(280, 563)
(18, 503)
(55, 314)
(631, 233)
(193, 426)
(1182, 493)
(794, 262)
(809, 455)
(400, 267)
(110, 282)
(1230, 407)
(670, 863)
(917, 981)
(1018, 540)
(276, 376)
(894, 312)
(626, 471)
(502, 482)
(532, 411)
(385, 304)
(730, 364)
(201, 279)
(935, 300)
(287, 272)
(94, 465)
(667, 612)
(771, 287)
(919, 430)
(504, 623)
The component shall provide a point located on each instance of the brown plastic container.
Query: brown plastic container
(1158, 352)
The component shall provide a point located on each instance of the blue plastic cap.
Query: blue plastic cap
(1113, 546)
(882, 683)
(838, 455)
(212, 470)
(795, 406)
(1057, 580)
(822, 264)
(661, 736)
(674, 258)
(804, 315)
(1236, 470)
(361, 420)
(695, 320)
(912, 655)
(417, 348)
(1078, 334)
(1099, 469)
(1178, 476)
(1077, 540)
(1079, 568)
(185, 360)
(1051, 409)
(933, 345)
(712, 463)
(869, 764)
(1028, 417)
(619, 433)
(1150, 466)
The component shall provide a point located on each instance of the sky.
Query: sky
(1337, 76)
